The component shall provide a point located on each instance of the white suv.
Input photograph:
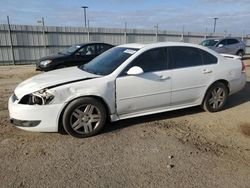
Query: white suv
(126, 81)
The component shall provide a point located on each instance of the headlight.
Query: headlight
(45, 63)
(41, 97)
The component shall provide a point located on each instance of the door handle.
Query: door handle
(206, 71)
(162, 77)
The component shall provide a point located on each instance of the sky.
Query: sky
(190, 15)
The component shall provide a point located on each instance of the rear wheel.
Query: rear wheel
(84, 117)
(240, 53)
(215, 97)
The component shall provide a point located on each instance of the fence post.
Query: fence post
(88, 32)
(11, 43)
(44, 38)
(125, 33)
(156, 34)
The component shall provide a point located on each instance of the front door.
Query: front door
(150, 90)
(84, 55)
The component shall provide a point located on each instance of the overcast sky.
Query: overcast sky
(194, 15)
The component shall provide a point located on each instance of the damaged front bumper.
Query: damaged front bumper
(37, 118)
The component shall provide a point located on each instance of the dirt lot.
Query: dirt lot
(184, 148)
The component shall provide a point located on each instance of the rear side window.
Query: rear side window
(152, 60)
(100, 48)
(232, 41)
(186, 57)
(208, 58)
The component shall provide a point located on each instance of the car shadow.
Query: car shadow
(233, 101)
(115, 126)
(239, 98)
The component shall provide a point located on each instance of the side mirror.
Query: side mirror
(135, 71)
(220, 45)
(77, 54)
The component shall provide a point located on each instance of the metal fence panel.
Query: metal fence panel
(30, 43)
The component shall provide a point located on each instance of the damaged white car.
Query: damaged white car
(126, 81)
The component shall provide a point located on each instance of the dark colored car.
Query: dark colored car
(75, 55)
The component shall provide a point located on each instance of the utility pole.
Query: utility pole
(85, 16)
(215, 20)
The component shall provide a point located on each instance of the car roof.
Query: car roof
(83, 44)
(218, 38)
(158, 44)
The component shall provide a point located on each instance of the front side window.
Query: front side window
(150, 61)
(108, 61)
(209, 42)
(186, 57)
(87, 50)
(223, 42)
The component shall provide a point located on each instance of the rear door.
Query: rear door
(233, 46)
(192, 70)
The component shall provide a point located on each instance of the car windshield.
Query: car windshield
(71, 49)
(210, 42)
(107, 62)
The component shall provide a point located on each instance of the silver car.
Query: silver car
(232, 46)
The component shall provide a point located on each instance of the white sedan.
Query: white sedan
(127, 81)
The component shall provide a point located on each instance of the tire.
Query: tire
(240, 53)
(84, 117)
(215, 97)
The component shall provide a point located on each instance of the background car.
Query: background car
(227, 45)
(126, 81)
(77, 54)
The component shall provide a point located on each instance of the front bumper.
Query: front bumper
(36, 118)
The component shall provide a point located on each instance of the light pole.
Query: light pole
(85, 18)
(215, 19)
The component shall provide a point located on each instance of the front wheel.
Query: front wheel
(215, 97)
(84, 117)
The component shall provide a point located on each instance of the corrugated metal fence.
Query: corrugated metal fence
(21, 44)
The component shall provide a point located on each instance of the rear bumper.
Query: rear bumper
(237, 84)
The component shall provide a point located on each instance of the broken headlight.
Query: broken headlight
(41, 97)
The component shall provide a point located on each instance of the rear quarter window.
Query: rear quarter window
(209, 58)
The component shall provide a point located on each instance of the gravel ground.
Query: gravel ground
(184, 148)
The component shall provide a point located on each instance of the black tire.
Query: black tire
(240, 53)
(215, 97)
(84, 117)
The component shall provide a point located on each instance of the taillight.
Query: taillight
(243, 69)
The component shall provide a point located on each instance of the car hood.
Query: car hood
(52, 79)
(54, 56)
